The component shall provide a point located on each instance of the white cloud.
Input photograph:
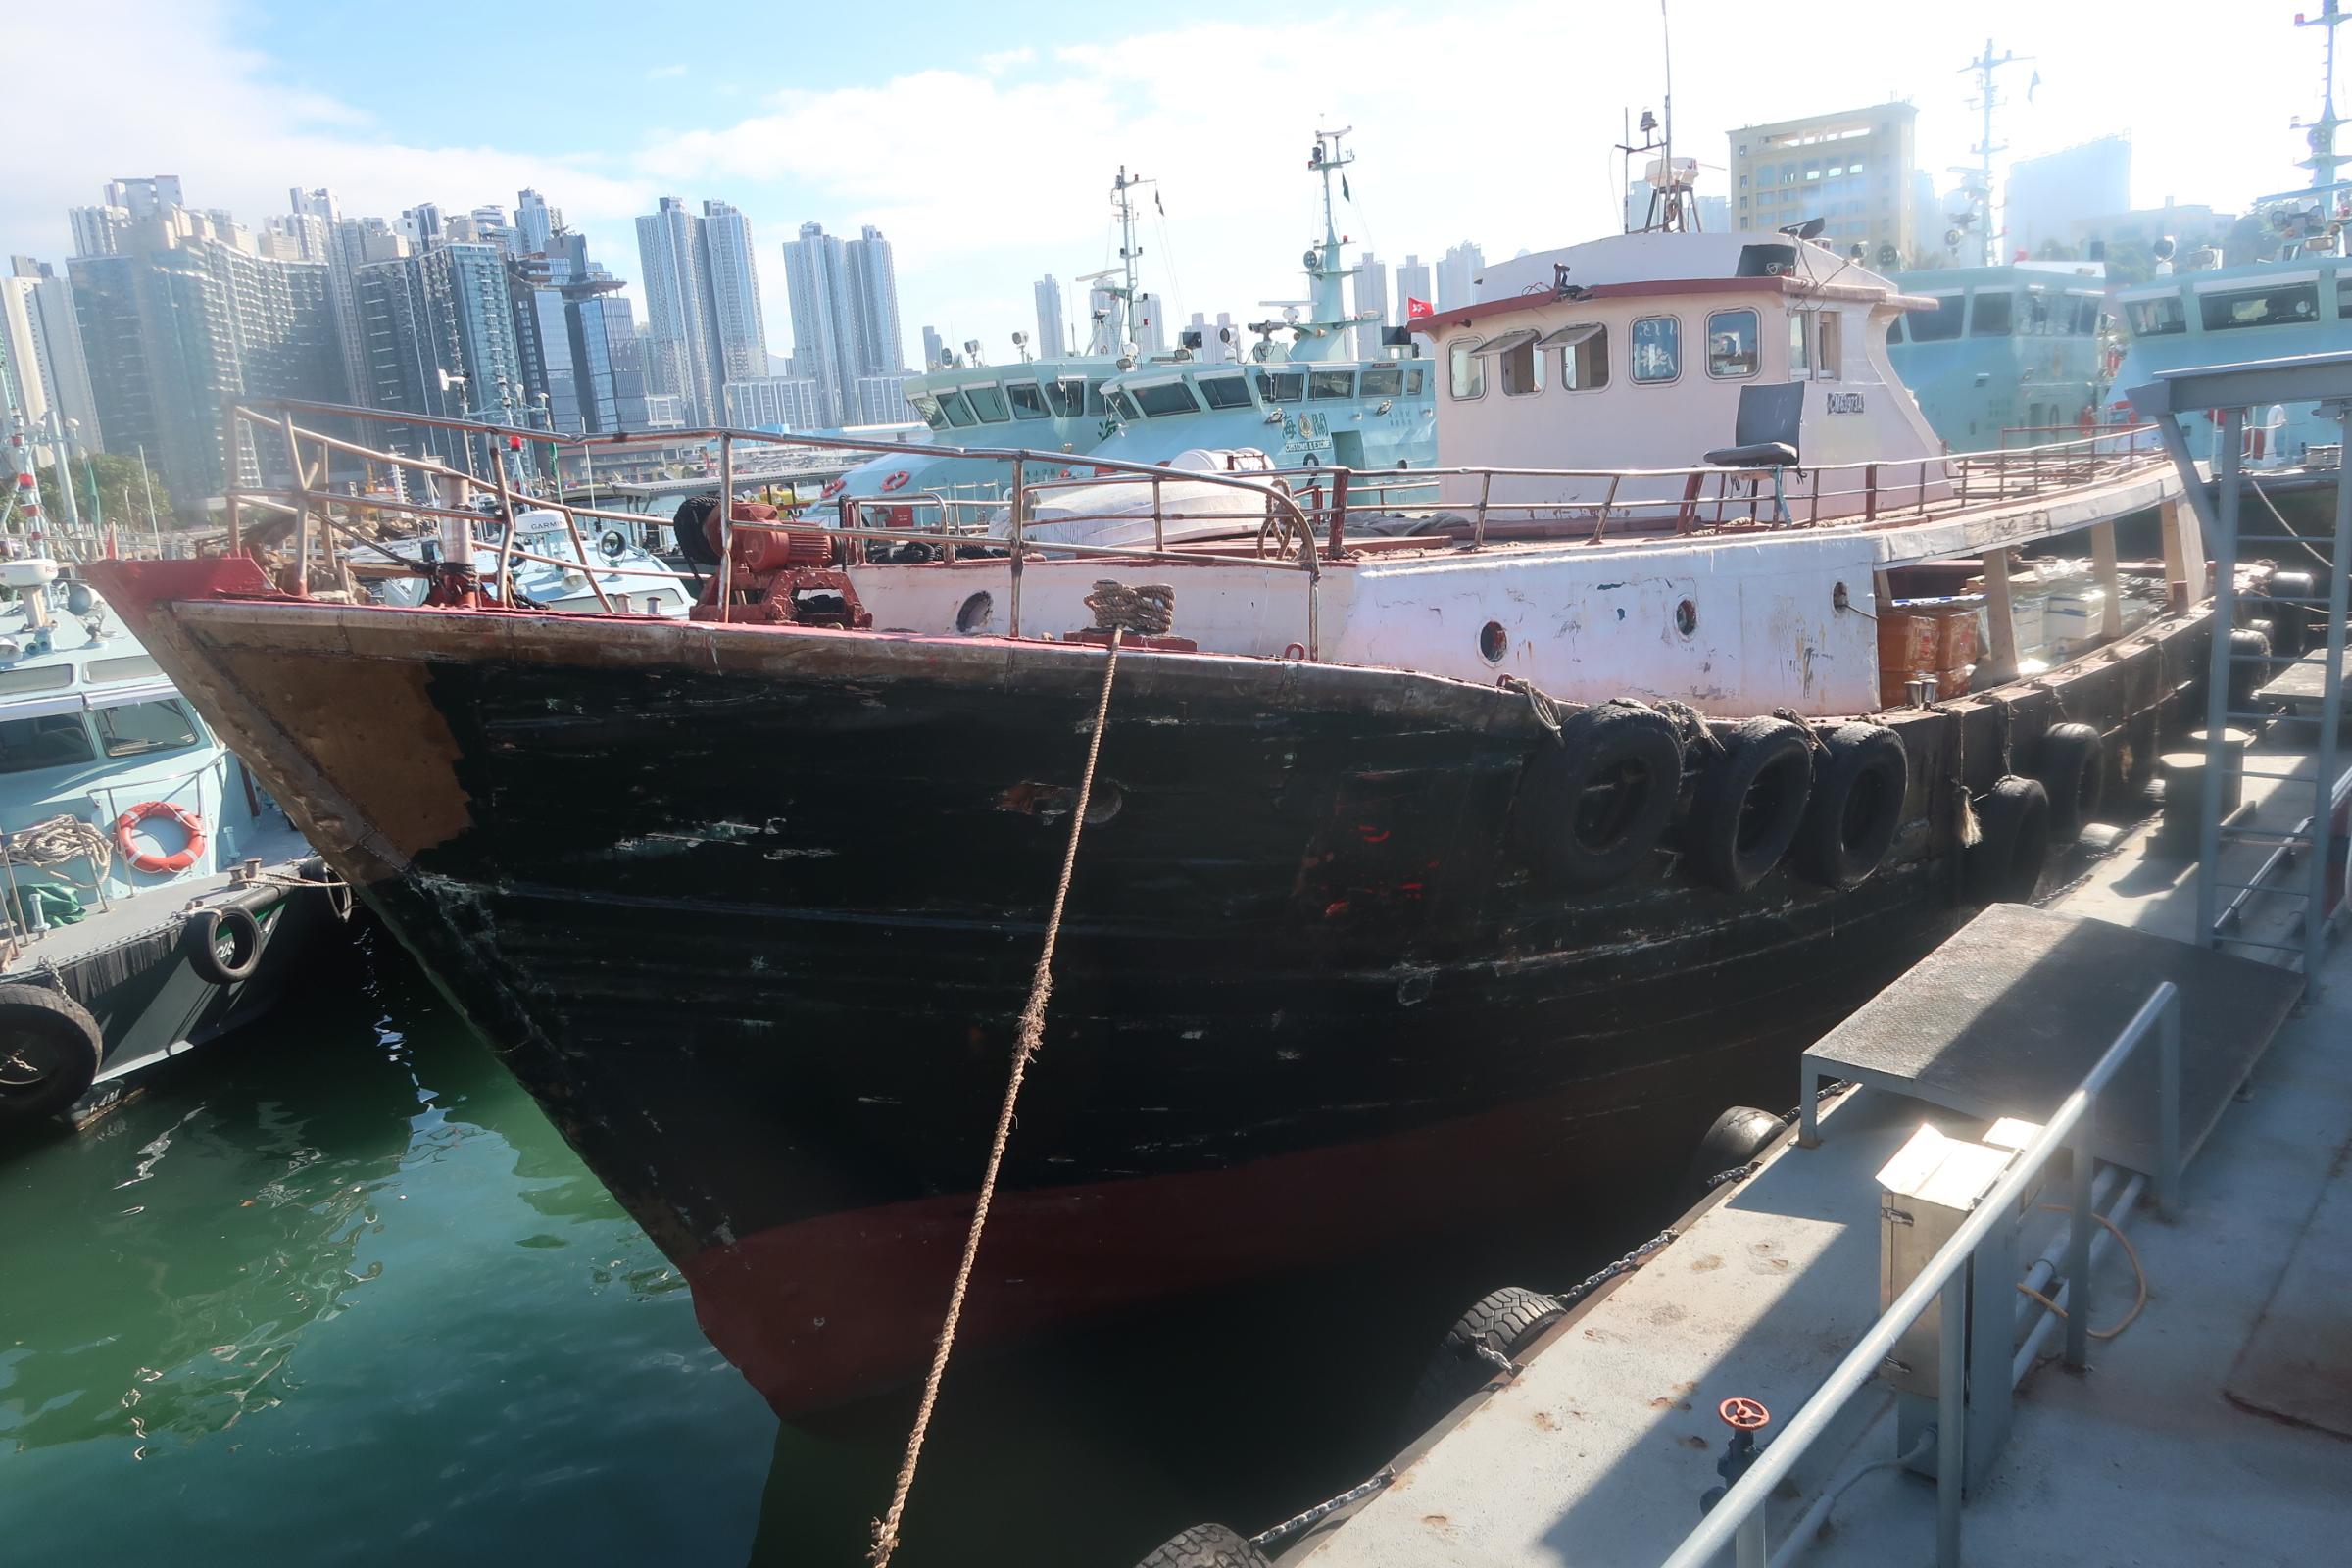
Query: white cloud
(664, 73)
(1003, 60)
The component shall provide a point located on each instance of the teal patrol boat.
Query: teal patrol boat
(2008, 356)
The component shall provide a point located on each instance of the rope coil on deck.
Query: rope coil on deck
(57, 841)
(1147, 610)
(1030, 1031)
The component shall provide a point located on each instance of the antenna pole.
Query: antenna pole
(1984, 68)
(2323, 161)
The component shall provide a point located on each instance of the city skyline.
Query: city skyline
(1237, 208)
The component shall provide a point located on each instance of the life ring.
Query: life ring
(897, 480)
(1857, 805)
(50, 1049)
(2004, 865)
(2074, 770)
(159, 864)
(224, 944)
(1600, 801)
(833, 487)
(1749, 803)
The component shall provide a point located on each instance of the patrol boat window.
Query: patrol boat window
(928, 407)
(1028, 402)
(2226, 309)
(38, 678)
(1122, 404)
(1282, 386)
(1073, 395)
(1415, 378)
(1326, 384)
(129, 666)
(1379, 380)
(53, 740)
(988, 403)
(137, 728)
(1167, 397)
(1938, 325)
(2157, 317)
(1996, 313)
(1225, 391)
(958, 411)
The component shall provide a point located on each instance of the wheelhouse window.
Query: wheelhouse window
(1518, 362)
(1383, 381)
(53, 740)
(127, 666)
(988, 402)
(1122, 404)
(927, 407)
(959, 413)
(1322, 385)
(2087, 316)
(1224, 391)
(1584, 356)
(136, 729)
(2160, 317)
(1658, 348)
(1166, 397)
(1733, 337)
(1994, 314)
(2343, 295)
(1466, 370)
(2227, 309)
(1282, 386)
(1027, 398)
(1415, 379)
(49, 678)
(1800, 344)
(1829, 343)
(1940, 324)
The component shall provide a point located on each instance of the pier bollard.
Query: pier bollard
(2185, 786)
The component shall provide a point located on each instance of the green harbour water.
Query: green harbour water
(335, 1291)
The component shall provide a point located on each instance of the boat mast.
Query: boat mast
(1324, 272)
(1111, 324)
(2323, 161)
(1983, 67)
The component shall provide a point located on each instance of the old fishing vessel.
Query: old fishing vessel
(1484, 842)
(151, 898)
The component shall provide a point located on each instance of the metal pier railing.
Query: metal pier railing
(1737, 1519)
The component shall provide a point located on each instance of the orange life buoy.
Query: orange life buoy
(159, 864)
(833, 487)
(897, 480)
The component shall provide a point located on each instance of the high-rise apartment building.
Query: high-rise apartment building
(845, 318)
(935, 349)
(1457, 276)
(42, 370)
(702, 302)
(443, 341)
(1371, 294)
(1053, 338)
(1851, 169)
(1413, 283)
(776, 403)
(184, 312)
(881, 349)
(535, 223)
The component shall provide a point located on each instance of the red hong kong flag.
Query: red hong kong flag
(1415, 310)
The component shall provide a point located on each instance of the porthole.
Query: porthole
(1493, 642)
(1686, 618)
(973, 617)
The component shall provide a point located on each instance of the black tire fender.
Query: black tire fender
(1505, 1321)
(1749, 803)
(224, 944)
(691, 522)
(2284, 602)
(1206, 1547)
(2074, 771)
(1859, 787)
(2249, 667)
(2004, 865)
(1602, 799)
(50, 1051)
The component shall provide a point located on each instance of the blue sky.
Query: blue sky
(982, 137)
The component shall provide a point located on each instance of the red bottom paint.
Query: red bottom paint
(825, 1310)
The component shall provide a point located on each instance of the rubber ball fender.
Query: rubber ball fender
(1750, 803)
(2004, 865)
(50, 1049)
(1505, 1321)
(1206, 1547)
(2074, 770)
(224, 944)
(2249, 666)
(1600, 801)
(1859, 785)
(1738, 1136)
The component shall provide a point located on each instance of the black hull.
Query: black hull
(752, 912)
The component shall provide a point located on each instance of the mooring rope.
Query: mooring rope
(1025, 1043)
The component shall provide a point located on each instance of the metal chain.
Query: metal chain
(1321, 1512)
(1623, 1265)
(1836, 1086)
